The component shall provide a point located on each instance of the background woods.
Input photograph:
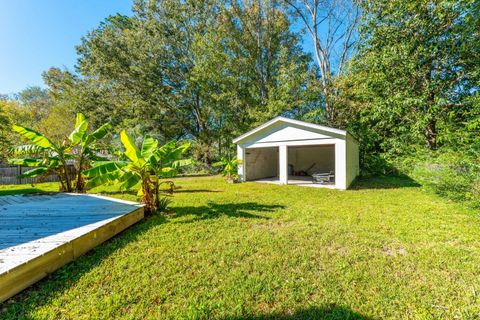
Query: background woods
(402, 76)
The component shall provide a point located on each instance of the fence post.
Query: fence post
(19, 172)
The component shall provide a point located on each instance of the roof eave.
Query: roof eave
(291, 121)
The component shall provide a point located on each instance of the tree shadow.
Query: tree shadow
(195, 191)
(8, 192)
(384, 182)
(332, 312)
(41, 293)
(215, 210)
(62, 279)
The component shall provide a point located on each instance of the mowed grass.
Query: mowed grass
(386, 249)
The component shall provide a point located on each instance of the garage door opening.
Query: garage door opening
(311, 165)
(261, 164)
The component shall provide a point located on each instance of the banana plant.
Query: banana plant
(51, 158)
(230, 168)
(144, 169)
(85, 147)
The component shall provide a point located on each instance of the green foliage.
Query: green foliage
(142, 168)
(207, 71)
(414, 77)
(411, 93)
(229, 67)
(229, 168)
(449, 173)
(5, 143)
(163, 204)
(52, 158)
(49, 157)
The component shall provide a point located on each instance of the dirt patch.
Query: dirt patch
(394, 252)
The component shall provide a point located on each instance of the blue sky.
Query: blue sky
(38, 34)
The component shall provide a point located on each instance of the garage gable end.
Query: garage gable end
(284, 129)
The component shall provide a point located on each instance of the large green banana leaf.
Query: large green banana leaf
(37, 138)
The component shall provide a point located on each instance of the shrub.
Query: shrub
(454, 174)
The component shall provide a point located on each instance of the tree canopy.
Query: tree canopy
(403, 76)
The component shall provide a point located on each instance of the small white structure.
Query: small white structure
(286, 151)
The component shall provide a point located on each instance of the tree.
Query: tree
(264, 71)
(85, 147)
(332, 25)
(36, 100)
(142, 168)
(4, 134)
(71, 92)
(11, 111)
(414, 74)
(46, 156)
(203, 70)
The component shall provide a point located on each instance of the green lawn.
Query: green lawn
(254, 251)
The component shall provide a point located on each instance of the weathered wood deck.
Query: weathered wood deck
(41, 233)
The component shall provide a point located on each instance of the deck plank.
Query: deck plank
(40, 233)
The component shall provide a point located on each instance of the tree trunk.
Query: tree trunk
(329, 110)
(431, 134)
(80, 185)
(66, 173)
(147, 198)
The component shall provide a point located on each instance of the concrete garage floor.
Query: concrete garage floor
(303, 181)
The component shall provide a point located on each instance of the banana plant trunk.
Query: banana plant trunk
(80, 184)
(148, 197)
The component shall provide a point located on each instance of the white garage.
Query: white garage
(286, 151)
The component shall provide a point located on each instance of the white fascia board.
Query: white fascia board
(292, 143)
(291, 121)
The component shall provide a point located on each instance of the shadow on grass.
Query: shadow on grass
(62, 279)
(215, 210)
(195, 191)
(326, 312)
(7, 192)
(384, 182)
(41, 293)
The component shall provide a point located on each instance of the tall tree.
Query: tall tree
(198, 69)
(255, 65)
(147, 59)
(415, 71)
(332, 26)
(37, 100)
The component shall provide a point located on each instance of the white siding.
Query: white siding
(261, 163)
(352, 165)
(340, 163)
(241, 167)
(289, 133)
(283, 165)
(284, 134)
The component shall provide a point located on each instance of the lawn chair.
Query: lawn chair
(323, 177)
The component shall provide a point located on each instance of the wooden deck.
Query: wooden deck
(41, 233)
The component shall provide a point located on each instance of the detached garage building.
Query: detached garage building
(286, 151)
